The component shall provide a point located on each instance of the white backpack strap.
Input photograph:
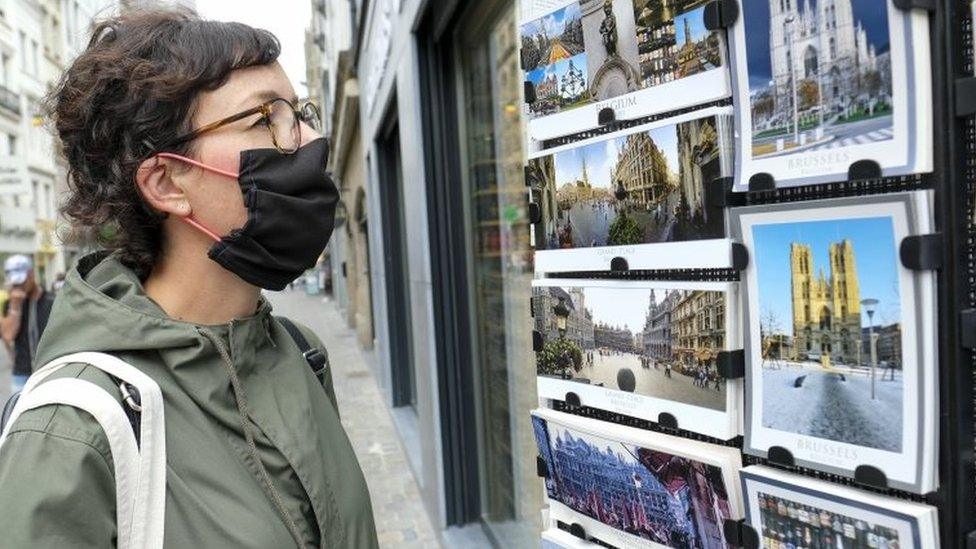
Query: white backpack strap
(106, 410)
(147, 501)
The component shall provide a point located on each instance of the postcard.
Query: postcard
(822, 84)
(786, 509)
(641, 348)
(630, 487)
(840, 337)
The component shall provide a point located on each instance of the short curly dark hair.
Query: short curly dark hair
(129, 94)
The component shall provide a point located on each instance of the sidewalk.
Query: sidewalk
(401, 520)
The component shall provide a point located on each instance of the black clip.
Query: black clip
(535, 213)
(316, 359)
(532, 307)
(762, 182)
(740, 256)
(606, 116)
(528, 90)
(738, 533)
(870, 475)
(619, 264)
(731, 364)
(906, 5)
(523, 64)
(541, 467)
(721, 14)
(577, 530)
(921, 252)
(537, 341)
(573, 399)
(719, 194)
(780, 456)
(864, 169)
(626, 381)
(967, 325)
(966, 96)
(527, 175)
(665, 419)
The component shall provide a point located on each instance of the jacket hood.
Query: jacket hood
(103, 307)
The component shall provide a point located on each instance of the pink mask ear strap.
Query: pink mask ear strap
(197, 164)
(196, 224)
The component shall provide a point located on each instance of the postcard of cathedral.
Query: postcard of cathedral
(630, 487)
(792, 510)
(635, 57)
(635, 195)
(822, 84)
(641, 348)
(840, 336)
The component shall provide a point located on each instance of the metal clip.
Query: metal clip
(130, 397)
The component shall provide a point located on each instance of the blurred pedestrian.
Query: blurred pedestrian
(58, 283)
(25, 315)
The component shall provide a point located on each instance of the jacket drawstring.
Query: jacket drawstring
(252, 449)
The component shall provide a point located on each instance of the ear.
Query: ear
(159, 189)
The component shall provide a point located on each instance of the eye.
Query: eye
(261, 121)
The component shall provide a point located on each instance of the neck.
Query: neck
(191, 287)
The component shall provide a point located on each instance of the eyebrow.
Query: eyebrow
(261, 96)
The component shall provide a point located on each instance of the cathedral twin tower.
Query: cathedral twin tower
(826, 312)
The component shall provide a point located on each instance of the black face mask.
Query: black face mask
(291, 202)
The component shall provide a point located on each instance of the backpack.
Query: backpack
(135, 431)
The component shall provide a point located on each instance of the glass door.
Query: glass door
(500, 269)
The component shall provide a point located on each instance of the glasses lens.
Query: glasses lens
(284, 126)
(310, 116)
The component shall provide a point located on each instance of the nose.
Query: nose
(309, 134)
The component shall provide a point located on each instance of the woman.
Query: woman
(190, 160)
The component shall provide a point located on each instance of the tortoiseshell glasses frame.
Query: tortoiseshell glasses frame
(282, 118)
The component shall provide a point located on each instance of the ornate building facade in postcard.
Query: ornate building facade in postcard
(826, 50)
(826, 311)
(643, 170)
(613, 337)
(657, 326)
(579, 322)
(698, 328)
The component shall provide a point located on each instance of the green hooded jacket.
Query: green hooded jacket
(57, 485)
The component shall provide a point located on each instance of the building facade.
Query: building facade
(643, 171)
(657, 326)
(38, 39)
(700, 160)
(824, 45)
(579, 323)
(431, 257)
(826, 311)
(616, 338)
(698, 328)
(887, 346)
(331, 51)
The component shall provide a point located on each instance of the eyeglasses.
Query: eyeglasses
(282, 118)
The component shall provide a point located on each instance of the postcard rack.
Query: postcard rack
(949, 251)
